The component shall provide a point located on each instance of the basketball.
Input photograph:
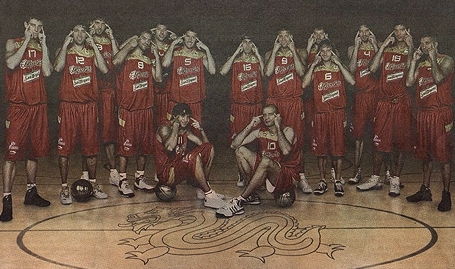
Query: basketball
(285, 199)
(81, 190)
(165, 193)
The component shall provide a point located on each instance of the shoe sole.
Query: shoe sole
(394, 194)
(319, 192)
(126, 195)
(144, 189)
(371, 189)
(353, 181)
(339, 194)
(235, 214)
(66, 203)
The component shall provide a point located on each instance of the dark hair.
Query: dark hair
(181, 109)
(272, 106)
(326, 43)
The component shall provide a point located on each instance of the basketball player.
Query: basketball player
(78, 59)
(434, 73)
(393, 114)
(284, 66)
(246, 87)
(360, 55)
(329, 75)
(276, 163)
(105, 41)
(162, 37)
(182, 155)
(189, 61)
(27, 131)
(135, 99)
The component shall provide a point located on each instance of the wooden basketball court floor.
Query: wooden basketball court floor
(359, 230)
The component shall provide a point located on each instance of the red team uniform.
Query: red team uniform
(174, 167)
(107, 94)
(434, 116)
(285, 91)
(246, 93)
(365, 97)
(188, 82)
(135, 100)
(329, 111)
(78, 111)
(289, 172)
(27, 131)
(393, 114)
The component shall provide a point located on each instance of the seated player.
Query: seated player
(276, 162)
(176, 161)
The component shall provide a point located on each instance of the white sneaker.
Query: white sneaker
(156, 178)
(240, 181)
(114, 178)
(303, 185)
(332, 173)
(141, 184)
(373, 183)
(356, 179)
(98, 193)
(65, 197)
(212, 200)
(234, 207)
(394, 190)
(124, 188)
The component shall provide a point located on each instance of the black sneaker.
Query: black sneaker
(424, 194)
(253, 199)
(338, 188)
(32, 198)
(446, 202)
(7, 213)
(322, 188)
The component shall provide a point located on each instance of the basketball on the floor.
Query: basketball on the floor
(165, 193)
(81, 190)
(285, 199)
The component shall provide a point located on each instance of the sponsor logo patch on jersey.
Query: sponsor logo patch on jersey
(428, 91)
(187, 81)
(81, 81)
(284, 79)
(31, 76)
(249, 85)
(395, 76)
(331, 95)
(140, 86)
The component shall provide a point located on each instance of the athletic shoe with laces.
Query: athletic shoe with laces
(333, 176)
(253, 199)
(234, 207)
(65, 197)
(394, 190)
(338, 187)
(356, 178)
(424, 194)
(7, 213)
(114, 178)
(98, 193)
(372, 183)
(124, 188)
(322, 188)
(240, 181)
(141, 184)
(32, 198)
(213, 200)
(446, 202)
(303, 184)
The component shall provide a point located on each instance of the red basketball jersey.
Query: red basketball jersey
(284, 83)
(246, 83)
(328, 90)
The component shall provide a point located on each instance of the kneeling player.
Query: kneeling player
(275, 163)
(175, 162)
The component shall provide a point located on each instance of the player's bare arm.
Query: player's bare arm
(248, 134)
(168, 56)
(60, 59)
